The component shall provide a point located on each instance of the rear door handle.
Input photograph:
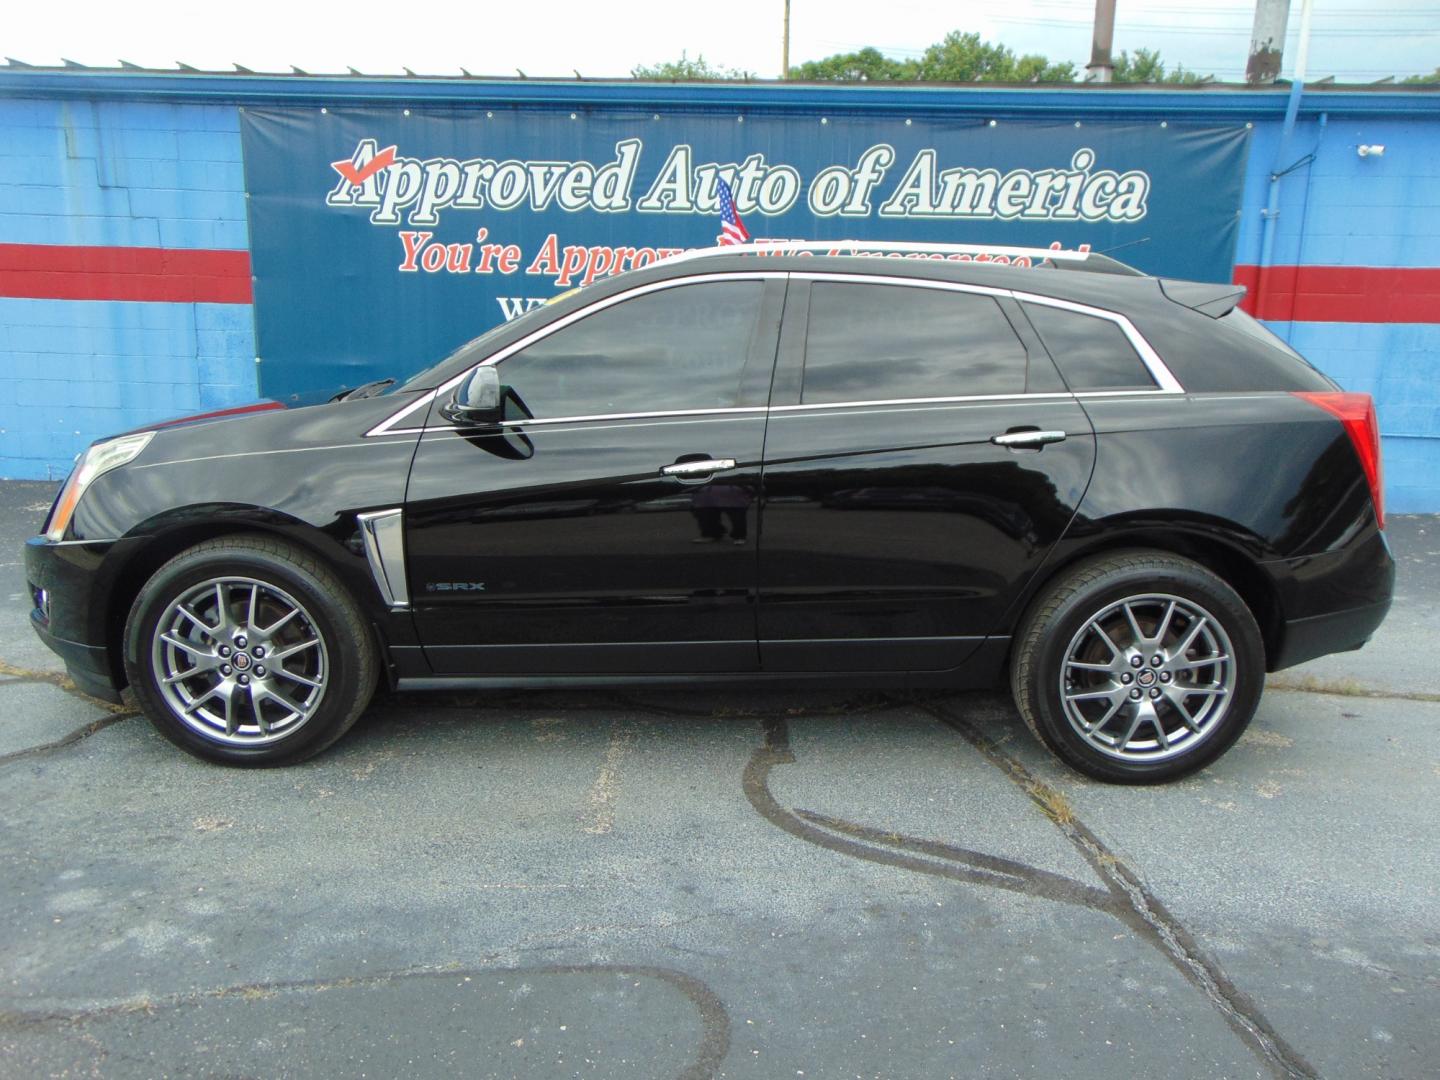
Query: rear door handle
(689, 470)
(1023, 439)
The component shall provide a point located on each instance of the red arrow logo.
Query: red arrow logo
(383, 160)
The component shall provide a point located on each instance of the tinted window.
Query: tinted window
(680, 348)
(873, 342)
(1092, 353)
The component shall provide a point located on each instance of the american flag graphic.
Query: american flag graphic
(732, 229)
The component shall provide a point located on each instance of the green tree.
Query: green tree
(687, 70)
(1416, 80)
(959, 58)
(1147, 67)
(966, 58)
(867, 65)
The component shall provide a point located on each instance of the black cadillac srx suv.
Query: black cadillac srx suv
(1117, 492)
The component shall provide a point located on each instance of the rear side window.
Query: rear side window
(1092, 353)
(883, 342)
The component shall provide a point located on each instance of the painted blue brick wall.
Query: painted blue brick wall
(1345, 210)
(1399, 366)
(77, 370)
(126, 174)
(123, 173)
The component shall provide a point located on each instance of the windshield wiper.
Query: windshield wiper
(364, 390)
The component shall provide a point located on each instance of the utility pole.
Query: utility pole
(1101, 68)
(785, 45)
(1267, 42)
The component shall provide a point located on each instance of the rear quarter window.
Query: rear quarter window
(1092, 353)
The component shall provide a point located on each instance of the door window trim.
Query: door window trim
(387, 426)
(1165, 381)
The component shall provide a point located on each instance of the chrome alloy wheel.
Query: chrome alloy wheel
(1148, 678)
(240, 661)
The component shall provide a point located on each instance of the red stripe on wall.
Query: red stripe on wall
(69, 272)
(1362, 294)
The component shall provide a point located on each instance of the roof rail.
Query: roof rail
(1058, 258)
(863, 247)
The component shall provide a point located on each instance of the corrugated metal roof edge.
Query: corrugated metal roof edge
(1211, 100)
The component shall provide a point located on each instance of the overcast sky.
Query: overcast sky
(1352, 39)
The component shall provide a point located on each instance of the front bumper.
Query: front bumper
(87, 665)
(69, 591)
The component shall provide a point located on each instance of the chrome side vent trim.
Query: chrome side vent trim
(383, 532)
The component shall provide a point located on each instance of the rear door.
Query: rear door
(923, 456)
(613, 532)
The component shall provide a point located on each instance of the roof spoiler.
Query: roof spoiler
(1204, 297)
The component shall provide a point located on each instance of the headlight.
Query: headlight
(95, 462)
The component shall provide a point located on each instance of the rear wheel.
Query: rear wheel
(247, 651)
(1138, 667)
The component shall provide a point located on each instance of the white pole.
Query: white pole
(785, 45)
(1302, 50)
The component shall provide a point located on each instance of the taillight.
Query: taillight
(1357, 413)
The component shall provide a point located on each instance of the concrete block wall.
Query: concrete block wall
(1362, 238)
(91, 194)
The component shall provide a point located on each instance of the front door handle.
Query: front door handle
(1025, 439)
(690, 470)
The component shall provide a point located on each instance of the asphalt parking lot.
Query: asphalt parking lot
(744, 884)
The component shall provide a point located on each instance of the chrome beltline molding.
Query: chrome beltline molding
(781, 412)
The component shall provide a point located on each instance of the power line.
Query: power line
(1186, 28)
(1247, 11)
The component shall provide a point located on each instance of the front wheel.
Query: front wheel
(247, 651)
(1138, 667)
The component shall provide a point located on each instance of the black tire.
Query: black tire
(343, 664)
(1059, 650)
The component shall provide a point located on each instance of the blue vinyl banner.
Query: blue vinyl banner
(382, 239)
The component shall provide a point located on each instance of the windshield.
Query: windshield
(474, 349)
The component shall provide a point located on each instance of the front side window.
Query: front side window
(888, 342)
(674, 349)
(1092, 353)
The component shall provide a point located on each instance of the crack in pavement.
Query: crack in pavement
(83, 732)
(709, 1052)
(1125, 896)
(20, 676)
(1310, 685)
(1150, 916)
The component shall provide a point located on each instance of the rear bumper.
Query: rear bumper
(1320, 635)
(1332, 602)
(69, 601)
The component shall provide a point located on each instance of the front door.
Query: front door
(615, 531)
(921, 461)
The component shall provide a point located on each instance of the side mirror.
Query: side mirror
(478, 400)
